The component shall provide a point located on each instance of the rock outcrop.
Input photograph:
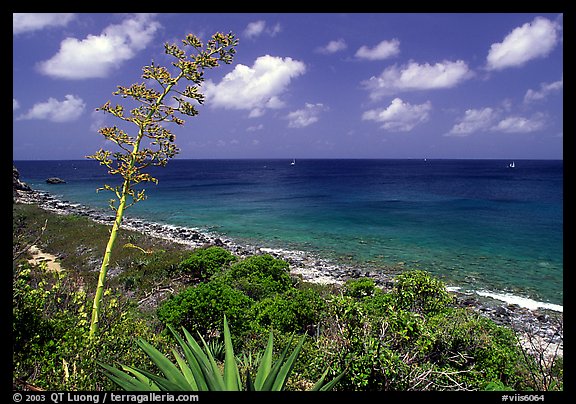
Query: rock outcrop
(55, 180)
(17, 184)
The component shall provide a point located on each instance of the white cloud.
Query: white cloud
(414, 76)
(257, 28)
(275, 29)
(53, 110)
(256, 113)
(545, 90)
(383, 50)
(255, 128)
(254, 88)
(519, 124)
(532, 40)
(332, 47)
(98, 55)
(490, 120)
(399, 116)
(474, 120)
(28, 22)
(15, 104)
(305, 116)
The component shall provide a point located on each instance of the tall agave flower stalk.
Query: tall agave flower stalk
(153, 145)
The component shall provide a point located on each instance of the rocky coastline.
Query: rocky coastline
(542, 330)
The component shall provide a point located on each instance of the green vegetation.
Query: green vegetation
(357, 336)
(201, 308)
(259, 276)
(205, 262)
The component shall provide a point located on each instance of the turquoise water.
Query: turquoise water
(477, 224)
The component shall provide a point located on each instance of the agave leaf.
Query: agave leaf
(144, 381)
(265, 364)
(210, 370)
(165, 384)
(320, 386)
(330, 385)
(232, 380)
(213, 366)
(141, 377)
(158, 382)
(212, 380)
(287, 367)
(270, 380)
(170, 370)
(192, 361)
(186, 371)
(125, 381)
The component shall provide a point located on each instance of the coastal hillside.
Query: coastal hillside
(362, 325)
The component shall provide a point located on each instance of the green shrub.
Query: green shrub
(293, 311)
(359, 288)
(259, 276)
(378, 304)
(365, 350)
(419, 292)
(375, 367)
(481, 350)
(205, 262)
(201, 308)
(32, 325)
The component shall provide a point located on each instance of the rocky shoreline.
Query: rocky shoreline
(542, 329)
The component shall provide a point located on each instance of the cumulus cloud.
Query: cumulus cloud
(520, 124)
(384, 50)
(53, 110)
(97, 55)
(545, 90)
(332, 47)
(257, 28)
(28, 22)
(305, 116)
(255, 88)
(492, 120)
(414, 76)
(15, 104)
(474, 120)
(399, 116)
(532, 40)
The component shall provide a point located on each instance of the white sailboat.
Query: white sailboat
(293, 163)
(512, 165)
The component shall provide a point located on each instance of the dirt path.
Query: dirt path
(39, 256)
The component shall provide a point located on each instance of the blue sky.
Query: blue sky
(305, 85)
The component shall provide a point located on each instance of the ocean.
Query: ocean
(479, 225)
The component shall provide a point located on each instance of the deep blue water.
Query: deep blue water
(477, 224)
